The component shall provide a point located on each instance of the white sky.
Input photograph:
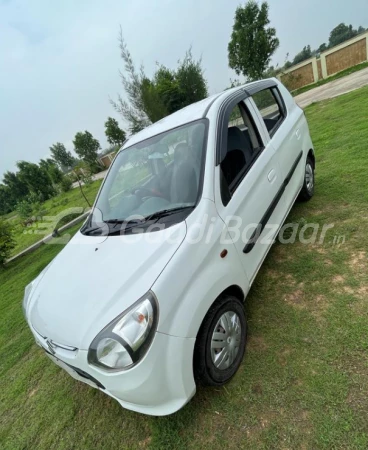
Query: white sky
(59, 61)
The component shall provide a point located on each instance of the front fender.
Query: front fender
(195, 276)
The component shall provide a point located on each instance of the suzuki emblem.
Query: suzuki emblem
(50, 346)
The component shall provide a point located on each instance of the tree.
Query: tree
(115, 135)
(17, 188)
(149, 100)
(7, 242)
(287, 64)
(30, 179)
(190, 82)
(341, 33)
(303, 55)
(83, 174)
(86, 147)
(6, 204)
(252, 43)
(62, 157)
(53, 171)
(36, 179)
(322, 47)
(132, 110)
(361, 30)
(181, 87)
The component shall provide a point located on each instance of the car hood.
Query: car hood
(93, 280)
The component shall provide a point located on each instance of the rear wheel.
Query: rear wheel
(307, 191)
(220, 343)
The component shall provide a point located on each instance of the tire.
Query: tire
(211, 366)
(307, 191)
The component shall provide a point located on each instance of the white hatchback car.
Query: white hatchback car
(147, 298)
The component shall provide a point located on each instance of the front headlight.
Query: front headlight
(125, 340)
(27, 295)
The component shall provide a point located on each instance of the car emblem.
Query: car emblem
(50, 346)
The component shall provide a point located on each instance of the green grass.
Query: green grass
(55, 207)
(338, 75)
(304, 380)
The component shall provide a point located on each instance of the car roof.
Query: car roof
(192, 112)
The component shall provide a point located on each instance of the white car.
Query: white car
(147, 299)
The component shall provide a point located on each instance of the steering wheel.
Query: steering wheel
(147, 192)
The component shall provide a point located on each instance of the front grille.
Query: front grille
(80, 372)
(87, 376)
(54, 344)
(69, 348)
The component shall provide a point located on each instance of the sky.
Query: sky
(60, 61)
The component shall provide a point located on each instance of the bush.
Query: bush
(66, 184)
(24, 209)
(7, 242)
(86, 178)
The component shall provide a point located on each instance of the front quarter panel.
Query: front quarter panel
(197, 275)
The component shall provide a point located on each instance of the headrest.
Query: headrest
(181, 152)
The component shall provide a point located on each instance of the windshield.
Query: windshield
(158, 174)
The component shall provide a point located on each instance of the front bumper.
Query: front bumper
(160, 384)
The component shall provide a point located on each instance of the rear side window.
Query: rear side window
(271, 107)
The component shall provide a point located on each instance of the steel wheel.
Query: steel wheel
(226, 340)
(220, 343)
(307, 191)
(309, 177)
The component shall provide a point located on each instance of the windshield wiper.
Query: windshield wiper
(87, 231)
(131, 223)
(166, 212)
(120, 221)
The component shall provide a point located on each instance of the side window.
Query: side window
(243, 146)
(271, 107)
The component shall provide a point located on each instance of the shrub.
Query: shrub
(86, 178)
(66, 184)
(7, 242)
(24, 209)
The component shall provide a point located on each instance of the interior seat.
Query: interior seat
(183, 187)
(239, 153)
(238, 140)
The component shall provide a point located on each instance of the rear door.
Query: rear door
(247, 181)
(284, 129)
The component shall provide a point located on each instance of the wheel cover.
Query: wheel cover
(225, 341)
(309, 177)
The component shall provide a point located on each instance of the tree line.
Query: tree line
(339, 34)
(36, 182)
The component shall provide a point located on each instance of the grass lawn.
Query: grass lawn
(304, 380)
(338, 75)
(55, 207)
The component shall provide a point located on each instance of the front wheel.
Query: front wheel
(307, 191)
(220, 343)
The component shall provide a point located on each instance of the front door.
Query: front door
(248, 180)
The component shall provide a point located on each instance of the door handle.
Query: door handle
(271, 175)
(297, 133)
